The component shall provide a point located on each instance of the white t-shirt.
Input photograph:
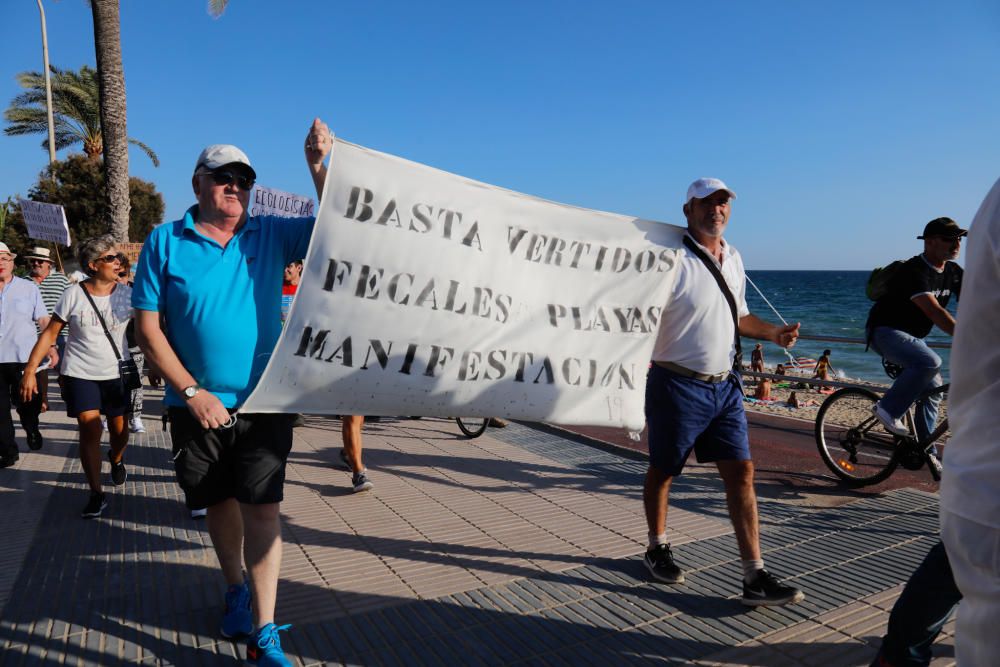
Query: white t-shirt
(696, 327)
(88, 352)
(970, 486)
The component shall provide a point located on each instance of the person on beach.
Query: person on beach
(21, 308)
(208, 329)
(915, 300)
(694, 399)
(823, 366)
(95, 312)
(780, 370)
(757, 359)
(970, 495)
(763, 391)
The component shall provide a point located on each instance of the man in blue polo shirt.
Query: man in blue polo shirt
(207, 293)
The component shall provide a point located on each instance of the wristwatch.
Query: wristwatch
(189, 392)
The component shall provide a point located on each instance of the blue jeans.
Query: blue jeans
(922, 609)
(921, 371)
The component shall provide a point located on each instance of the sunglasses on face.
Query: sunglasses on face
(226, 177)
(111, 258)
(38, 261)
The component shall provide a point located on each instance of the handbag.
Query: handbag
(730, 299)
(127, 370)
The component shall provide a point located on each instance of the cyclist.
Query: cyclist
(916, 297)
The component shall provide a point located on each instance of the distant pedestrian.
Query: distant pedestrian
(289, 286)
(21, 308)
(970, 494)
(350, 455)
(96, 312)
(135, 424)
(51, 283)
(694, 396)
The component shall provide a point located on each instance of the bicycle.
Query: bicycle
(865, 453)
(473, 427)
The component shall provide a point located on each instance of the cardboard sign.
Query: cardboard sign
(268, 201)
(45, 222)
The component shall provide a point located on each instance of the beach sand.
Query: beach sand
(780, 408)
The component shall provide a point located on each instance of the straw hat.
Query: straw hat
(38, 252)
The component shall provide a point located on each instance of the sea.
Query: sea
(826, 303)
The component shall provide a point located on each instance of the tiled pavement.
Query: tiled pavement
(522, 546)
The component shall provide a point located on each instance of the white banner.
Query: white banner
(268, 201)
(45, 222)
(425, 293)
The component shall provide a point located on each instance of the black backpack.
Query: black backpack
(880, 278)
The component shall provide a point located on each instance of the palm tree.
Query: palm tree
(114, 135)
(216, 7)
(76, 109)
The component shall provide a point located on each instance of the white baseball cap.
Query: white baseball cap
(5, 249)
(219, 155)
(706, 186)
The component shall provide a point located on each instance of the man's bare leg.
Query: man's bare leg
(225, 527)
(742, 503)
(654, 499)
(350, 429)
(262, 551)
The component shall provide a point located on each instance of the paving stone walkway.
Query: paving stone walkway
(520, 547)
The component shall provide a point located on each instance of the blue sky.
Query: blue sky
(843, 127)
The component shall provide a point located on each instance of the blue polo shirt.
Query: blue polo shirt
(221, 305)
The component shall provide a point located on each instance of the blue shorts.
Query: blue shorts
(685, 414)
(108, 396)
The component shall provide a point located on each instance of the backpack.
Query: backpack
(878, 282)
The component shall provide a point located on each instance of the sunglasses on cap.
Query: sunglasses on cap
(226, 177)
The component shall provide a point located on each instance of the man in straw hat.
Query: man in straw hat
(51, 283)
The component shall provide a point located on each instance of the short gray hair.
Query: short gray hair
(93, 248)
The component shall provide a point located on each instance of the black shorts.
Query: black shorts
(108, 396)
(245, 462)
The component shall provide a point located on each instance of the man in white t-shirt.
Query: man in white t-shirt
(970, 487)
(694, 400)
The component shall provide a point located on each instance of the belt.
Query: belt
(677, 369)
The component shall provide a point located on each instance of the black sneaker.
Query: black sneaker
(7, 460)
(765, 589)
(361, 482)
(118, 472)
(660, 562)
(97, 504)
(34, 440)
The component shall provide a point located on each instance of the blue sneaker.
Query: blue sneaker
(238, 621)
(264, 648)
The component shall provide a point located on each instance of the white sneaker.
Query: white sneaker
(135, 425)
(199, 514)
(894, 426)
(104, 423)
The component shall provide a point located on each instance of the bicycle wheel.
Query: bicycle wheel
(853, 443)
(472, 426)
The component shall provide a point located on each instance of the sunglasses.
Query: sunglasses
(226, 177)
(111, 258)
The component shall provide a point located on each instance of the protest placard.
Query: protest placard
(268, 201)
(426, 293)
(45, 222)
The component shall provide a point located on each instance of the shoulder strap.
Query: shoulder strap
(726, 292)
(101, 320)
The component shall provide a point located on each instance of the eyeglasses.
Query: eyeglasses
(111, 258)
(226, 177)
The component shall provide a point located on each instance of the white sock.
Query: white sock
(750, 568)
(656, 540)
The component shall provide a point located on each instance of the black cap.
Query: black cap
(943, 227)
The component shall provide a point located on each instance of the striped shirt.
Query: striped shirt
(52, 289)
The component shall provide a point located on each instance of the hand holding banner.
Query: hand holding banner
(425, 293)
